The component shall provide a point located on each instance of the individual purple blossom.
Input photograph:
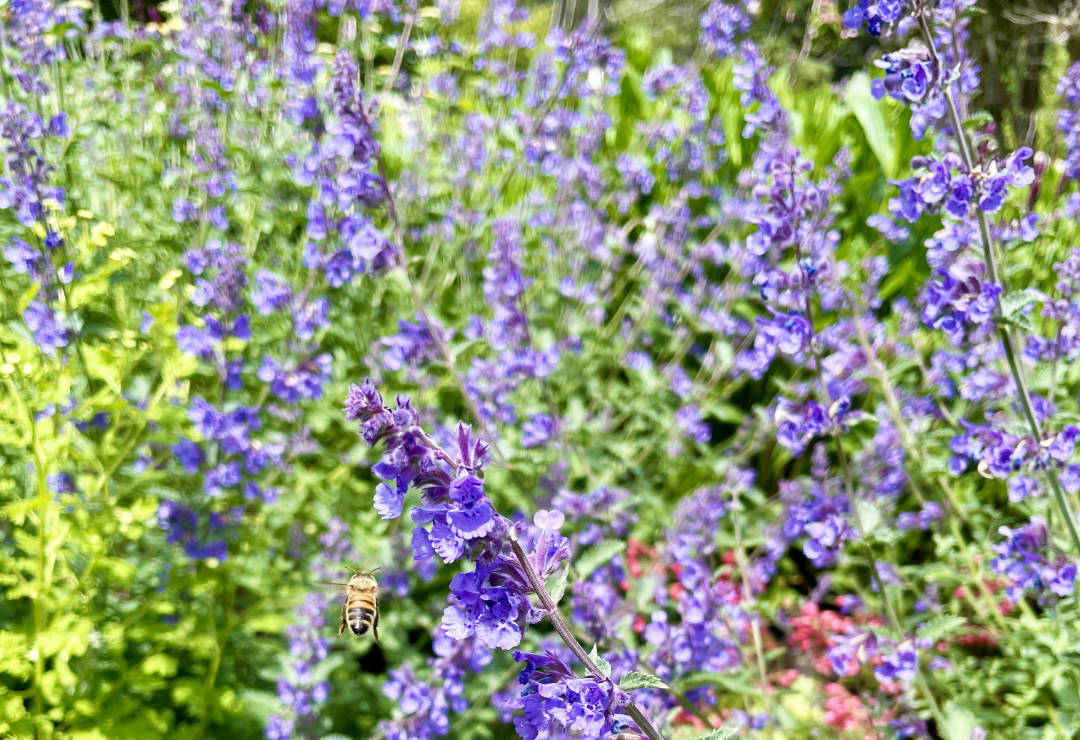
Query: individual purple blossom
(61, 483)
(852, 650)
(798, 424)
(909, 74)
(929, 513)
(189, 455)
(688, 419)
(410, 347)
(185, 527)
(580, 707)
(1012, 172)
(960, 305)
(302, 380)
(310, 316)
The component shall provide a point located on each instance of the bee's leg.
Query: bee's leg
(342, 627)
(375, 627)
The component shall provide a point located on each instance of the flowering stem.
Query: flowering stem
(563, 630)
(853, 503)
(421, 304)
(875, 574)
(911, 448)
(992, 273)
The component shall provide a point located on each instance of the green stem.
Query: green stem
(741, 562)
(221, 638)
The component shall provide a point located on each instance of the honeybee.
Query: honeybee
(361, 608)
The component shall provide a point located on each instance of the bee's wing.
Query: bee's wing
(331, 583)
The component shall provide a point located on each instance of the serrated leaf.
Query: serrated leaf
(17, 510)
(556, 584)
(595, 556)
(1015, 301)
(940, 627)
(602, 664)
(634, 680)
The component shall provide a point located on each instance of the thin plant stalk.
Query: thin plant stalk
(849, 489)
(557, 621)
(550, 607)
(992, 273)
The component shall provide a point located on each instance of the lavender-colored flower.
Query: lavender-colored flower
(902, 664)
(874, 14)
(721, 23)
(537, 431)
(189, 455)
(1030, 563)
(271, 293)
(49, 333)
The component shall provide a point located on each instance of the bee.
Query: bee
(361, 608)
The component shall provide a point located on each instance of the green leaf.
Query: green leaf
(1014, 305)
(162, 664)
(17, 510)
(940, 627)
(596, 556)
(106, 363)
(556, 584)
(721, 733)
(869, 516)
(959, 722)
(602, 664)
(634, 680)
(867, 111)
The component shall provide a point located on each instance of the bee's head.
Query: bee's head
(364, 581)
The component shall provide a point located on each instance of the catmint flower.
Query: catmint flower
(61, 483)
(902, 664)
(189, 455)
(720, 24)
(1028, 560)
(874, 14)
(271, 293)
(909, 74)
(537, 431)
(49, 333)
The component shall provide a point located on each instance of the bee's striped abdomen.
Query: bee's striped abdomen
(361, 608)
(360, 612)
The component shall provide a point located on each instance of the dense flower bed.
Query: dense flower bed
(727, 401)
